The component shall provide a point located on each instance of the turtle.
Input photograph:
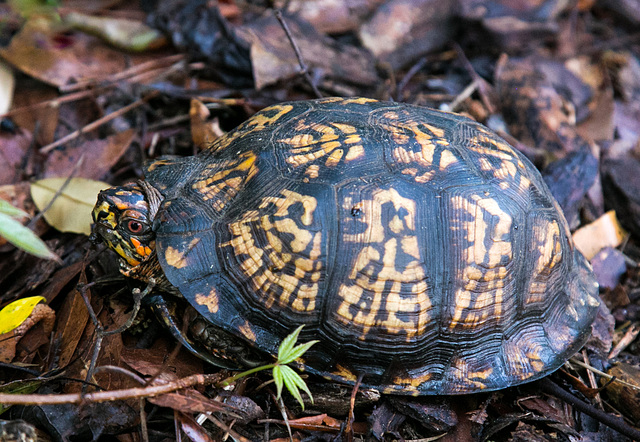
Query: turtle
(423, 252)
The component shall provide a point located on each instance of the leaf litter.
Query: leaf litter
(559, 80)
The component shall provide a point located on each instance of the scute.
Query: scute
(419, 248)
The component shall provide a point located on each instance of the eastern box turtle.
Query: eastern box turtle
(418, 247)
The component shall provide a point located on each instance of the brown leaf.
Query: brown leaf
(98, 157)
(27, 113)
(203, 131)
(12, 154)
(542, 407)
(149, 361)
(194, 431)
(336, 16)
(189, 401)
(72, 320)
(274, 59)
(403, 30)
(39, 52)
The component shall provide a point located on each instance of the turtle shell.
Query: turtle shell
(417, 246)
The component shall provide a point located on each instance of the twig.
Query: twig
(122, 75)
(56, 102)
(628, 338)
(466, 93)
(603, 374)
(592, 380)
(408, 76)
(99, 122)
(106, 396)
(482, 85)
(607, 419)
(352, 405)
(227, 429)
(303, 67)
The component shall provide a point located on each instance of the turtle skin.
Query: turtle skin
(422, 251)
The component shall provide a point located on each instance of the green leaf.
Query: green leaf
(8, 209)
(296, 352)
(287, 344)
(71, 211)
(130, 35)
(14, 314)
(19, 387)
(293, 381)
(24, 238)
(278, 378)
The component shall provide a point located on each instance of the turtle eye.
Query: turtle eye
(134, 226)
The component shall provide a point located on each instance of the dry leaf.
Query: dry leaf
(606, 231)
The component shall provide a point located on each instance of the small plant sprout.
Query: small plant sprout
(282, 373)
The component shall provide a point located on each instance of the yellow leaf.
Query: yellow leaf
(14, 314)
(603, 232)
(71, 211)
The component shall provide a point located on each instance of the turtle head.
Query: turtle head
(123, 218)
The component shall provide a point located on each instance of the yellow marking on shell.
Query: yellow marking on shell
(211, 300)
(175, 258)
(378, 304)
(483, 374)
(227, 182)
(414, 382)
(345, 128)
(525, 183)
(410, 171)
(460, 371)
(162, 162)
(398, 136)
(390, 115)
(261, 119)
(354, 152)
(247, 331)
(353, 139)
(323, 145)
(546, 235)
(312, 171)
(401, 155)
(358, 100)
(329, 146)
(425, 177)
(446, 159)
(334, 158)
(299, 140)
(485, 164)
(535, 361)
(344, 373)
(437, 131)
(482, 265)
(279, 266)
